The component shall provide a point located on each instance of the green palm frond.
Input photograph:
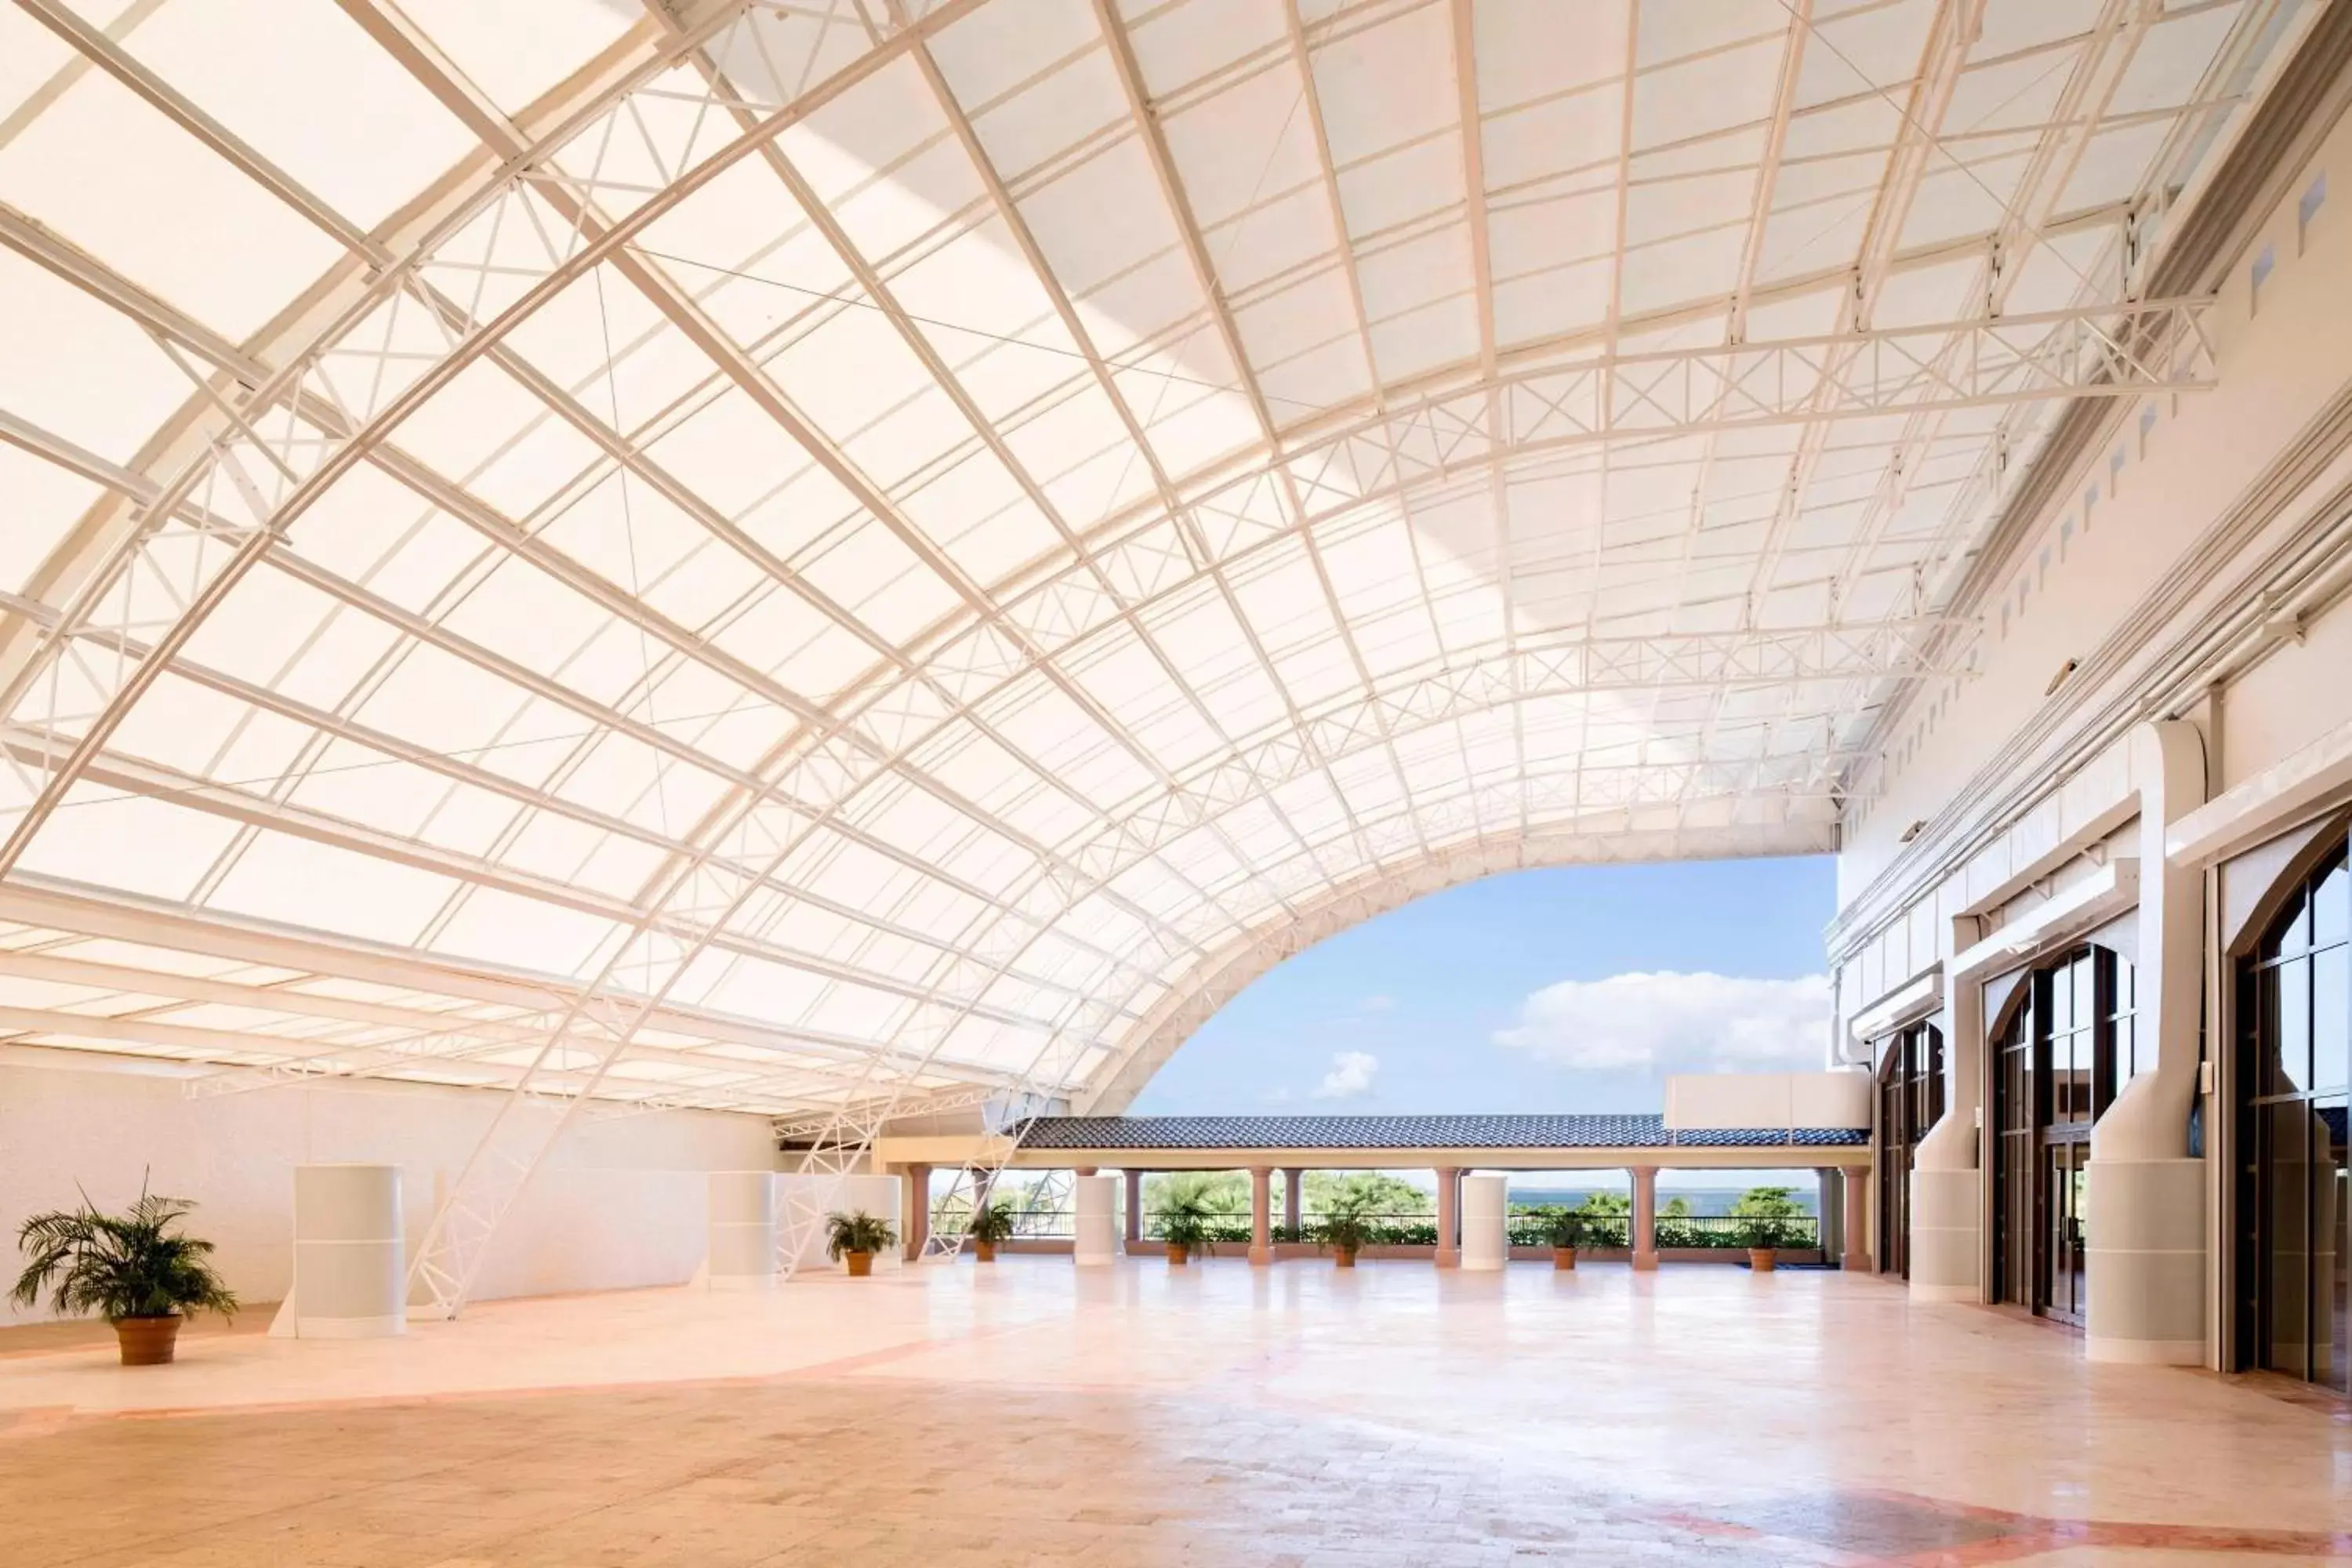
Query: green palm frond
(133, 1265)
(859, 1232)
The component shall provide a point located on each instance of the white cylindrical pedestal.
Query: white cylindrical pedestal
(348, 1253)
(1095, 1205)
(743, 1222)
(1485, 1243)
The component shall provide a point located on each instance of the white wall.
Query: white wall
(2086, 577)
(2082, 574)
(619, 1202)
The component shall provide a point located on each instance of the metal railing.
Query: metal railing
(1522, 1227)
(1796, 1232)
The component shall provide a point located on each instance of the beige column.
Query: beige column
(916, 1228)
(1854, 1212)
(1294, 1200)
(1134, 1220)
(1645, 1221)
(1261, 1251)
(1449, 1218)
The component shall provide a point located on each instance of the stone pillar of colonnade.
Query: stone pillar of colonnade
(1261, 1247)
(1449, 1217)
(1855, 1211)
(915, 1220)
(1827, 1191)
(1294, 1198)
(2144, 1197)
(1133, 1221)
(1644, 1219)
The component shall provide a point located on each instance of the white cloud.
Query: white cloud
(1351, 1075)
(1675, 1023)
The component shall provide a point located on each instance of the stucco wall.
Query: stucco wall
(620, 1202)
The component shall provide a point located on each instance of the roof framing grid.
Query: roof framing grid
(1640, 581)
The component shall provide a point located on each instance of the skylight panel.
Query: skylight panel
(113, 175)
(309, 91)
(43, 502)
(1030, 127)
(515, 54)
(496, 927)
(77, 370)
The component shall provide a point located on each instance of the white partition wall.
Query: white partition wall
(1484, 1241)
(743, 1225)
(349, 1282)
(1095, 1205)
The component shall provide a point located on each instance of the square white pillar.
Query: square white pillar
(1095, 1207)
(1485, 1237)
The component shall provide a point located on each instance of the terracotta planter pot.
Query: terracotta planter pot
(861, 1264)
(147, 1341)
(1759, 1258)
(1347, 1260)
(1179, 1253)
(984, 1250)
(1563, 1258)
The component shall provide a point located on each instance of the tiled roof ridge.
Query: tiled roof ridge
(1502, 1130)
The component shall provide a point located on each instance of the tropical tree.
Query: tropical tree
(1364, 1192)
(1207, 1193)
(1767, 1216)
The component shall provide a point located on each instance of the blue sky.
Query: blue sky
(1574, 988)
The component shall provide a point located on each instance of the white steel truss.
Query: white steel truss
(935, 531)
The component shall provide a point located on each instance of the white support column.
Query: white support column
(744, 1223)
(1485, 1241)
(349, 1282)
(1094, 1201)
(1261, 1247)
(2145, 1201)
(1133, 1219)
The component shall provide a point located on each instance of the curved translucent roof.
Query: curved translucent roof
(773, 555)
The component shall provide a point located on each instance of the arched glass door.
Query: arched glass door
(1910, 1101)
(2068, 1049)
(2295, 1002)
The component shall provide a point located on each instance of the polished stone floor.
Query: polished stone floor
(1027, 1413)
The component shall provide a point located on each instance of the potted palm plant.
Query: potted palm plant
(1564, 1229)
(1346, 1232)
(1766, 1216)
(1184, 1225)
(135, 1269)
(854, 1238)
(989, 1227)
